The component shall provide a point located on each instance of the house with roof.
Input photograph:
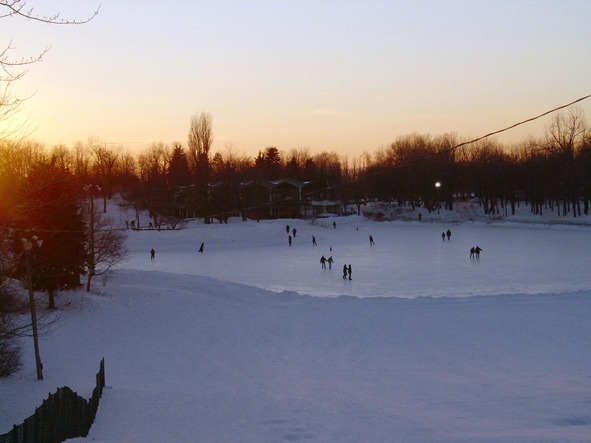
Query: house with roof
(263, 199)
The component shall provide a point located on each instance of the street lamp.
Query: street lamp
(27, 247)
(437, 187)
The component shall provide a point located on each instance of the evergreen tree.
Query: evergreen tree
(178, 169)
(50, 211)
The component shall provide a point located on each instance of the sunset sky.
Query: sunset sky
(344, 76)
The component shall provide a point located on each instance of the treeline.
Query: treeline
(553, 171)
(49, 194)
(50, 236)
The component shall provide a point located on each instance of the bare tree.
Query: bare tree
(105, 245)
(125, 173)
(566, 132)
(105, 160)
(62, 157)
(13, 69)
(200, 141)
(19, 8)
(564, 137)
(10, 356)
(82, 162)
(12, 327)
(153, 166)
(357, 180)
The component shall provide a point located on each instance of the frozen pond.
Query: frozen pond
(408, 259)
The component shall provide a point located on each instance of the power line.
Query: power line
(459, 145)
(430, 155)
(517, 124)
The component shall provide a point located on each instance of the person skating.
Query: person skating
(323, 262)
(344, 271)
(371, 242)
(289, 239)
(477, 251)
(201, 247)
(313, 241)
(349, 271)
(152, 254)
(448, 233)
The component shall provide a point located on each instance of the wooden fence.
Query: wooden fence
(62, 415)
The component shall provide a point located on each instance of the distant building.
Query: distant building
(262, 199)
(321, 208)
(182, 202)
(255, 200)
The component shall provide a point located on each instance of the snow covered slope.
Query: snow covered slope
(252, 341)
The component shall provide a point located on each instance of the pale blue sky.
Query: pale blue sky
(347, 76)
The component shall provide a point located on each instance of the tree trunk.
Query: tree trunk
(90, 275)
(51, 299)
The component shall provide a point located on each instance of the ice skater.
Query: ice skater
(371, 242)
(477, 251)
(289, 239)
(323, 262)
(448, 233)
(330, 261)
(294, 232)
(201, 247)
(472, 252)
(152, 254)
(349, 271)
(313, 241)
(287, 229)
(344, 271)
(443, 236)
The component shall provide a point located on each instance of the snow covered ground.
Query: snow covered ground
(253, 342)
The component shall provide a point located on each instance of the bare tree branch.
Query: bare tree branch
(13, 69)
(105, 246)
(19, 8)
